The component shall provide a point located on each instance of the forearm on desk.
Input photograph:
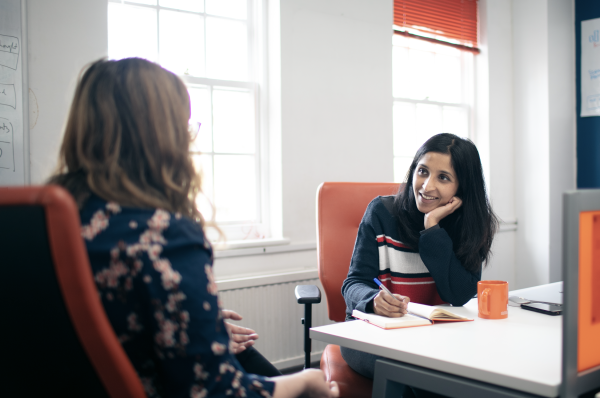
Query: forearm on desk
(358, 295)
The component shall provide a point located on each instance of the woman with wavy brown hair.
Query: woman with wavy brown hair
(125, 158)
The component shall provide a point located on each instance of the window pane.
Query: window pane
(200, 106)
(227, 8)
(421, 70)
(233, 118)
(185, 5)
(203, 164)
(447, 80)
(401, 166)
(127, 39)
(401, 72)
(425, 71)
(406, 138)
(235, 179)
(182, 42)
(429, 120)
(422, 45)
(399, 40)
(456, 121)
(226, 49)
(447, 50)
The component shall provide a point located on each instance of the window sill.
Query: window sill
(268, 279)
(261, 246)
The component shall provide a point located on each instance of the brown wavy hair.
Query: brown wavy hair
(127, 138)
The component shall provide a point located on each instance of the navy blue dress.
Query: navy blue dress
(153, 270)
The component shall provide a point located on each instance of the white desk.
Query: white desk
(522, 352)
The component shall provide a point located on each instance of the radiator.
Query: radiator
(272, 311)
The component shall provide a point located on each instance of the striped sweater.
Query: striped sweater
(432, 275)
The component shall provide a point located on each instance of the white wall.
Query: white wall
(336, 101)
(336, 115)
(495, 132)
(526, 77)
(562, 124)
(530, 65)
(64, 35)
(543, 65)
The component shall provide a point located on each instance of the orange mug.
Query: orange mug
(492, 297)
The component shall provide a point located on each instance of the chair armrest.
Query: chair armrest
(308, 294)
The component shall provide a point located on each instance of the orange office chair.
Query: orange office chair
(57, 338)
(340, 208)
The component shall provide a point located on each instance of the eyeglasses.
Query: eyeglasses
(194, 128)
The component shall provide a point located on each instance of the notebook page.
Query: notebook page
(391, 323)
(421, 310)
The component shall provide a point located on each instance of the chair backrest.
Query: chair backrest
(57, 337)
(340, 208)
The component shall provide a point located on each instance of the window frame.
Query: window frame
(256, 84)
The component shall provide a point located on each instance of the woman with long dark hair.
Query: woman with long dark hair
(426, 244)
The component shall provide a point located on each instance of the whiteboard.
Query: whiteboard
(590, 67)
(14, 94)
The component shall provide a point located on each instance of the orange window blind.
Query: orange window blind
(454, 20)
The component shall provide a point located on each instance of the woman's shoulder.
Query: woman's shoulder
(382, 206)
(380, 214)
(98, 215)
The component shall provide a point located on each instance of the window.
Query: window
(433, 79)
(433, 93)
(215, 47)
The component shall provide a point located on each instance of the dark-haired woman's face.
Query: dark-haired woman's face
(434, 181)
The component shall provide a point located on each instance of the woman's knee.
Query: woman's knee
(361, 362)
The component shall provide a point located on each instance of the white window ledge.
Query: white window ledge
(261, 246)
(271, 279)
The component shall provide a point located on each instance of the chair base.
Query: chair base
(352, 384)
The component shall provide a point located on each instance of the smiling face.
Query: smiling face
(434, 181)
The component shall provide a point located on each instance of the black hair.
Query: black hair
(473, 225)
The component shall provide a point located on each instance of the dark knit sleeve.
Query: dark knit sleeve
(359, 289)
(454, 283)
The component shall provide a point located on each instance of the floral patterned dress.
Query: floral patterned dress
(153, 270)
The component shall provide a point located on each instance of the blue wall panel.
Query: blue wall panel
(588, 128)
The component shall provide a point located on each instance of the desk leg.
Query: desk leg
(388, 375)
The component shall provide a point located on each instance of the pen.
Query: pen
(385, 289)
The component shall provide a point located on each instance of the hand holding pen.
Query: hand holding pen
(388, 304)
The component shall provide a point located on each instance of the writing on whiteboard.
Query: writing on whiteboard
(9, 51)
(6, 145)
(5, 128)
(590, 67)
(8, 95)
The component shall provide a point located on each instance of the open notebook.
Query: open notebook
(418, 315)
